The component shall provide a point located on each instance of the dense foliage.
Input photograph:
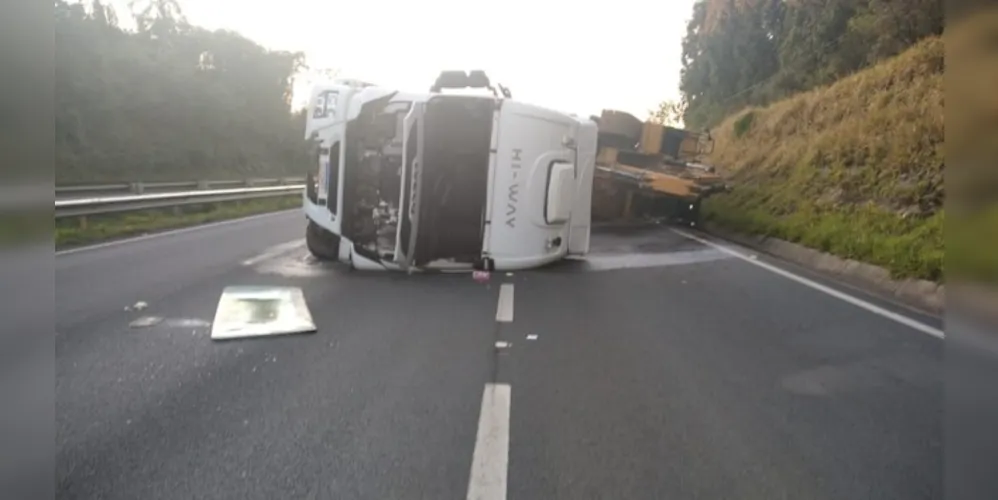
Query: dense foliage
(738, 53)
(169, 100)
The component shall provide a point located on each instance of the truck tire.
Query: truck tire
(322, 244)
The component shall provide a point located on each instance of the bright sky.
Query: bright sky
(572, 56)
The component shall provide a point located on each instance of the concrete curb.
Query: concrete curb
(922, 294)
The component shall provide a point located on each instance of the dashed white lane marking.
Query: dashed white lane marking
(274, 251)
(489, 464)
(504, 310)
(904, 320)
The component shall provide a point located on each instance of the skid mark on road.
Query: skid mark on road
(290, 260)
(275, 252)
(608, 262)
(298, 264)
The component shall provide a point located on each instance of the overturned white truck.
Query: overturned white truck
(445, 181)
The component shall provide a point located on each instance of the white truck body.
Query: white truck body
(432, 181)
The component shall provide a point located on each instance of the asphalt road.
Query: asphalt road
(659, 368)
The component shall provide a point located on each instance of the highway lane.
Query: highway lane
(381, 403)
(96, 280)
(716, 380)
(658, 368)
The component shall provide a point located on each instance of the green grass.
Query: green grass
(70, 232)
(854, 169)
(907, 247)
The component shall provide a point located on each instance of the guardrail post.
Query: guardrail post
(136, 187)
(83, 222)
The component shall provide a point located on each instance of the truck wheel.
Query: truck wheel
(322, 244)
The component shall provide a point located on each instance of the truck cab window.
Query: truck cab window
(325, 104)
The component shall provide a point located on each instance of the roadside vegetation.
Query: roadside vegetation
(854, 169)
(164, 100)
(72, 232)
(828, 117)
(143, 95)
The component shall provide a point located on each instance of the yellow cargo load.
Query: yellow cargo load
(648, 164)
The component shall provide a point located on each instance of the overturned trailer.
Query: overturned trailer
(435, 180)
(649, 170)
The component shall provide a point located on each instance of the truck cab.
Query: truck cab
(441, 181)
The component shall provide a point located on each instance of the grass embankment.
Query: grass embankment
(70, 232)
(854, 169)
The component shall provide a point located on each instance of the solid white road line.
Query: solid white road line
(504, 310)
(490, 462)
(904, 320)
(173, 232)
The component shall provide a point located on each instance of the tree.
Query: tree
(170, 100)
(750, 52)
(730, 48)
(668, 113)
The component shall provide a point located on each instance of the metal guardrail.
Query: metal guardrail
(71, 190)
(106, 201)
